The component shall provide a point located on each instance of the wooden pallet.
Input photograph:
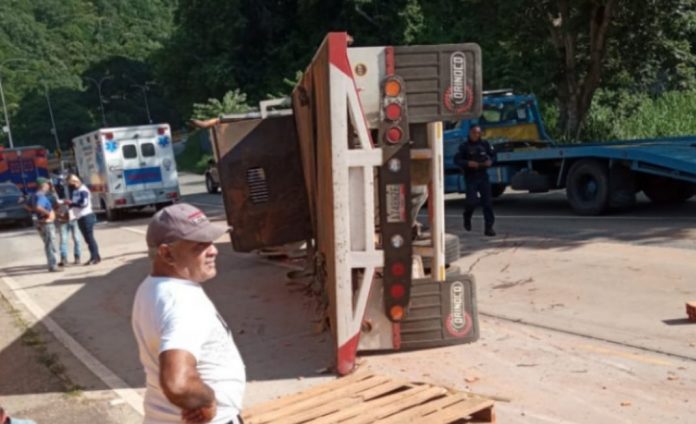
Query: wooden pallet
(364, 398)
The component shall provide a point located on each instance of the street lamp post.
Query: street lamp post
(54, 130)
(7, 118)
(2, 96)
(144, 88)
(99, 91)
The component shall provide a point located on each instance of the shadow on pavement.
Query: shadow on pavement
(272, 325)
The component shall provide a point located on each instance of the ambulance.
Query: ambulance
(128, 168)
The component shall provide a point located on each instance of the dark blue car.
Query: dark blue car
(12, 206)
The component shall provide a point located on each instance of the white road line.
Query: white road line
(108, 377)
(215, 205)
(134, 230)
(586, 218)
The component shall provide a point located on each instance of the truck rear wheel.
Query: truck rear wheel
(587, 187)
(210, 185)
(497, 190)
(622, 188)
(111, 214)
(663, 190)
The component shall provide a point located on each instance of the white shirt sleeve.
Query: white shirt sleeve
(181, 329)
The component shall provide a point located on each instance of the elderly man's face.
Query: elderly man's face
(193, 260)
(475, 133)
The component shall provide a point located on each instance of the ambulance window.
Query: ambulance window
(147, 149)
(129, 151)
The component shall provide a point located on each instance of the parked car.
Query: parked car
(12, 206)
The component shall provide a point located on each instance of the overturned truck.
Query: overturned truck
(342, 169)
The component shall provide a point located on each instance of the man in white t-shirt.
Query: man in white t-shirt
(193, 370)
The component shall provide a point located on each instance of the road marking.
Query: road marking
(586, 218)
(627, 355)
(134, 230)
(108, 377)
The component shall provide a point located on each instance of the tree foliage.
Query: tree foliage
(584, 59)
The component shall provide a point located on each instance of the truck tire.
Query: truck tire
(497, 190)
(587, 187)
(622, 188)
(661, 190)
(210, 185)
(451, 251)
(111, 214)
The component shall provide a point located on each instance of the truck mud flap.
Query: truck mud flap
(441, 313)
(262, 182)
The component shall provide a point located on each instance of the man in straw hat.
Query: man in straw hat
(193, 370)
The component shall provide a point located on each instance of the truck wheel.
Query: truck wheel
(497, 190)
(111, 214)
(210, 185)
(663, 190)
(622, 188)
(587, 187)
(451, 251)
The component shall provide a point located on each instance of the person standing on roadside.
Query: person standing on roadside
(193, 370)
(67, 227)
(81, 205)
(475, 156)
(41, 205)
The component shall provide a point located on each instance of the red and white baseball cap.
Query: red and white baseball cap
(182, 221)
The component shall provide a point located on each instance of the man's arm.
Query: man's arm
(463, 160)
(183, 386)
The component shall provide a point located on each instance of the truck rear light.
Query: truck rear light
(109, 136)
(173, 195)
(398, 269)
(397, 241)
(397, 291)
(121, 201)
(392, 111)
(2, 156)
(392, 88)
(394, 135)
(396, 313)
(161, 130)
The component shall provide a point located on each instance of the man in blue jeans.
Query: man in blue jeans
(81, 205)
(41, 205)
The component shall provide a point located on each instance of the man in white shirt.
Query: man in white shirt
(193, 370)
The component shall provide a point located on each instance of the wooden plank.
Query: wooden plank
(321, 411)
(321, 399)
(396, 405)
(416, 414)
(459, 410)
(364, 407)
(382, 389)
(311, 392)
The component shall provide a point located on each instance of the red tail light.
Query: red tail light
(172, 195)
(109, 136)
(121, 201)
(394, 135)
(397, 291)
(41, 153)
(162, 130)
(392, 111)
(398, 269)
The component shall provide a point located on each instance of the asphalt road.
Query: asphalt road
(580, 315)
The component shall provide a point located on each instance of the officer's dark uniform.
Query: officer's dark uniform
(477, 180)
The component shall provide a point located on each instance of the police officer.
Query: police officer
(475, 157)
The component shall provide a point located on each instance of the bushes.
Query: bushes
(626, 116)
(194, 158)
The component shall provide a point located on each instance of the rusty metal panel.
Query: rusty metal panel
(262, 182)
